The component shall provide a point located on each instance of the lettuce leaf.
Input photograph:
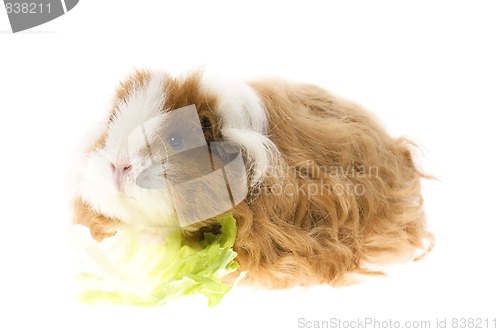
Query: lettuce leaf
(126, 270)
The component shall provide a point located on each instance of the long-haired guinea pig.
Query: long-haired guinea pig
(327, 189)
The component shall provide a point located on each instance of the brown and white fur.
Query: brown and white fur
(348, 192)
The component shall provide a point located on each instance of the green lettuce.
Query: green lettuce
(126, 270)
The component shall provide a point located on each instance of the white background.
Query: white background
(428, 69)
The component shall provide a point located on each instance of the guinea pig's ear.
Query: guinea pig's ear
(242, 120)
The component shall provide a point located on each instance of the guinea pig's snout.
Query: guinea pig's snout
(120, 172)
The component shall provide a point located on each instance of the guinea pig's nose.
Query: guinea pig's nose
(120, 172)
(121, 169)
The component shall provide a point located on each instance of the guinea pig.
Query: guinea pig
(327, 189)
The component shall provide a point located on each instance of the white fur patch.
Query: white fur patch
(143, 104)
(244, 122)
(93, 174)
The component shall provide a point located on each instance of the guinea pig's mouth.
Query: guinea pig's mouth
(125, 194)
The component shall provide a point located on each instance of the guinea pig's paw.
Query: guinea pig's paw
(102, 230)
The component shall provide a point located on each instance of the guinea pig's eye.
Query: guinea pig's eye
(175, 140)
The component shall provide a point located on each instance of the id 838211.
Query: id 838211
(27, 8)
